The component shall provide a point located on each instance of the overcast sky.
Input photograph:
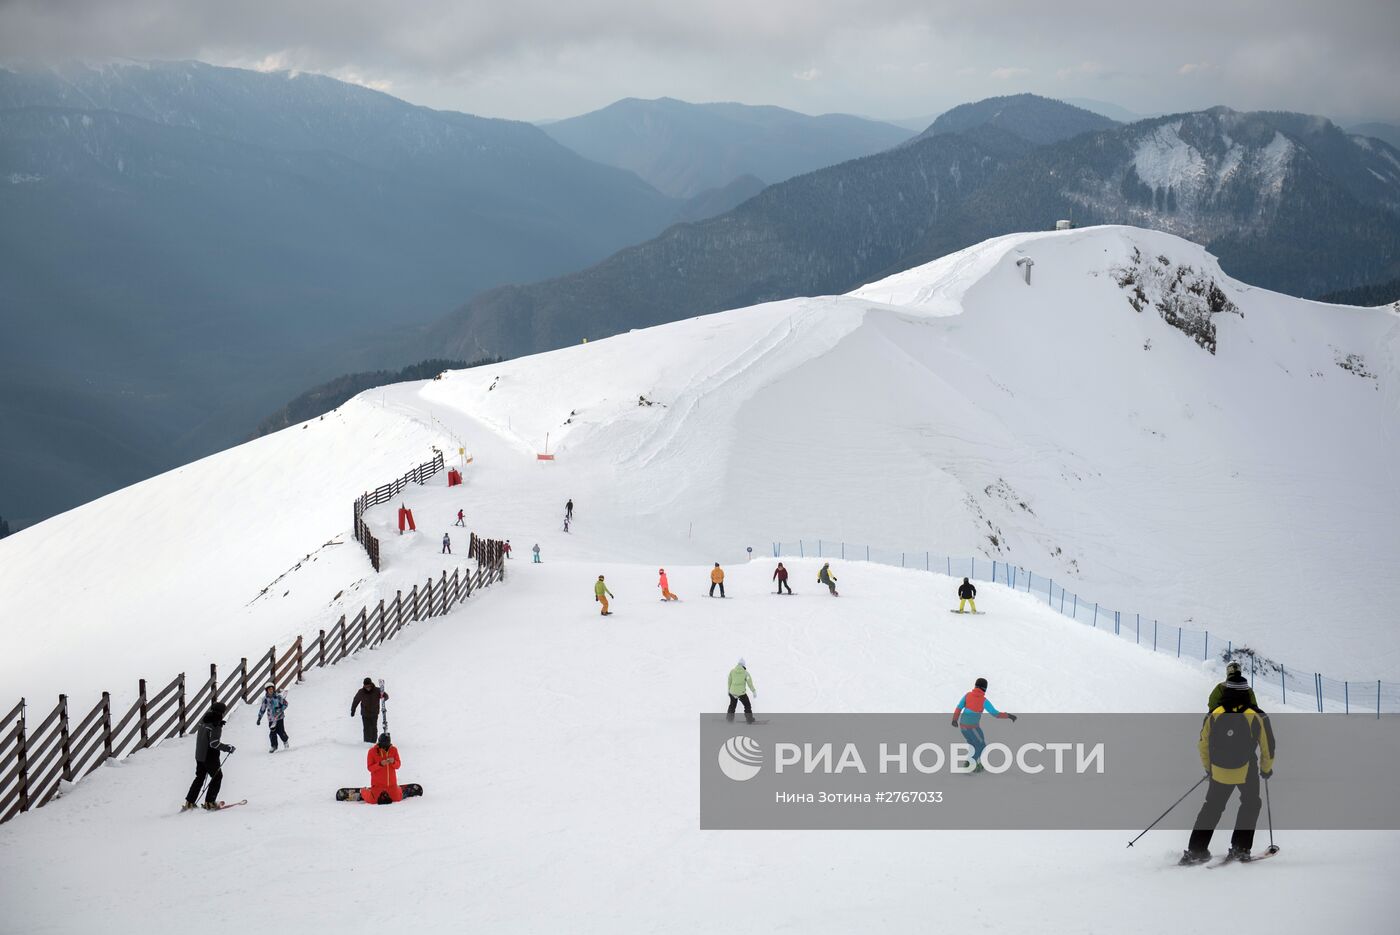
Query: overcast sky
(532, 59)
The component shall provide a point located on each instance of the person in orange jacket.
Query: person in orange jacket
(383, 762)
(665, 587)
(717, 579)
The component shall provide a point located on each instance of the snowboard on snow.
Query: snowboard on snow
(969, 613)
(410, 789)
(757, 720)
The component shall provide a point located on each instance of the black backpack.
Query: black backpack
(1232, 738)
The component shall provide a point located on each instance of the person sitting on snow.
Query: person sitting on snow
(383, 762)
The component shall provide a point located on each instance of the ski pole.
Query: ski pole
(1270, 809)
(1169, 808)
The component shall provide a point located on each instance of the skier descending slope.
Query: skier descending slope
(665, 585)
(601, 595)
(1229, 736)
(1234, 679)
(780, 575)
(967, 594)
(967, 717)
(208, 743)
(827, 578)
(274, 705)
(740, 684)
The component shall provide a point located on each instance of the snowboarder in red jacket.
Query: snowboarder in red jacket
(383, 762)
(780, 575)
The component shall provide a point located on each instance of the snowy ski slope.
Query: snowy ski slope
(1252, 491)
(558, 755)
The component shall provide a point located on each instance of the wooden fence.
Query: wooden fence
(383, 494)
(35, 761)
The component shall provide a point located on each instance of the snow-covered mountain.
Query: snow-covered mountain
(1132, 422)
(1129, 419)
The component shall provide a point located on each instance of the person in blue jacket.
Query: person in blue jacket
(967, 717)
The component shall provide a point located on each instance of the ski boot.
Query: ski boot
(210, 806)
(187, 806)
(1239, 853)
(1188, 858)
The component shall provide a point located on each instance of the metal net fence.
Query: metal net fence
(1291, 685)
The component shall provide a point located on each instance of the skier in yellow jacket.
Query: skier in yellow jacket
(1229, 735)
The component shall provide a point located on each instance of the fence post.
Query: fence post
(383, 622)
(843, 549)
(183, 714)
(1317, 688)
(1050, 595)
(1096, 615)
(1346, 697)
(144, 739)
(1117, 619)
(801, 549)
(1205, 653)
(1178, 642)
(298, 657)
(364, 628)
(430, 598)
(63, 738)
(901, 559)
(994, 571)
(1378, 698)
(22, 749)
(271, 667)
(1154, 636)
(867, 553)
(926, 562)
(1137, 629)
(949, 559)
(106, 726)
(398, 605)
(213, 683)
(243, 680)
(1283, 681)
(974, 567)
(1075, 613)
(321, 650)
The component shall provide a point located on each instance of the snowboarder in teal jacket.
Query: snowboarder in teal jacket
(740, 684)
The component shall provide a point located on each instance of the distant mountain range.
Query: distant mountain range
(184, 247)
(1034, 119)
(1287, 201)
(684, 149)
(1388, 132)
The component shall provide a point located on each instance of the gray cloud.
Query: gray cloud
(528, 58)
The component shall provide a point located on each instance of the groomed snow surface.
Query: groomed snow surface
(953, 408)
(557, 750)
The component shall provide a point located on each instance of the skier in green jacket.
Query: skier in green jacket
(1234, 681)
(740, 684)
(601, 595)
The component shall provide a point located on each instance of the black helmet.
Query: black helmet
(218, 708)
(384, 741)
(982, 684)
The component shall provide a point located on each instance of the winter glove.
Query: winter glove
(1013, 718)
(954, 722)
(229, 748)
(1267, 773)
